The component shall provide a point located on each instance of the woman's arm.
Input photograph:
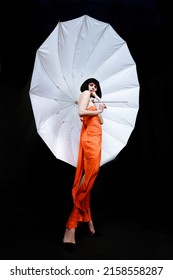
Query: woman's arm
(101, 119)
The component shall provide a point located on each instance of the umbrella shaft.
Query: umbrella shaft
(105, 101)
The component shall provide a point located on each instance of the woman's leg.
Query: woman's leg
(74, 218)
(82, 181)
(90, 222)
(81, 210)
(69, 236)
(91, 227)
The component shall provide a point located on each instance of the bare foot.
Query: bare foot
(91, 227)
(69, 236)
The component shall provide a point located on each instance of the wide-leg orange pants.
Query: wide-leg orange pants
(89, 157)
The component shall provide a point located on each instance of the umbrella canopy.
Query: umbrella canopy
(76, 50)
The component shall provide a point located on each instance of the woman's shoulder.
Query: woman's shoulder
(85, 94)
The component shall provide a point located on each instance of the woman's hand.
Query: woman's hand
(102, 106)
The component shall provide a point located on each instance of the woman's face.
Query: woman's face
(92, 87)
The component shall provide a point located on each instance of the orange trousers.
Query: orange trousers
(88, 164)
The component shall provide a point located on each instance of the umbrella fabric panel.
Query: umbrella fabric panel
(108, 153)
(44, 95)
(127, 78)
(122, 116)
(93, 49)
(61, 136)
(67, 41)
(48, 54)
(115, 137)
(119, 60)
(41, 83)
(117, 130)
(125, 98)
(44, 109)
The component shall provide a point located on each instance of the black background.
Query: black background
(35, 187)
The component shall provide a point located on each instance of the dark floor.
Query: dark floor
(121, 239)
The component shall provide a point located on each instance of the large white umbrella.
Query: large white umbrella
(76, 50)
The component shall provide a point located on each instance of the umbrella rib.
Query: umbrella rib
(107, 101)
(79, 128)
(115, 137)
(74, 55)
(106, 27)
(53, 81)
(125, 123)
(61, 68)
(96, 45)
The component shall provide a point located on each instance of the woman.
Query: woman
(88, 158)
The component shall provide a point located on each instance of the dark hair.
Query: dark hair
(84, 86)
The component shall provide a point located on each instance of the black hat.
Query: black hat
(84, 86)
